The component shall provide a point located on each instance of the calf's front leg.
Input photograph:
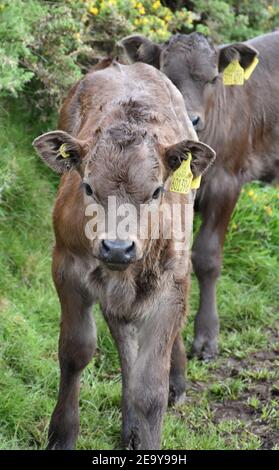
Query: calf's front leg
(177, 372)
(216, 209)
(145, 348)
(77, 345)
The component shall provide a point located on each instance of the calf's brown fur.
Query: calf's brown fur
(125, 129)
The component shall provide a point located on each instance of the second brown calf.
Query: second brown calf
(240, 122)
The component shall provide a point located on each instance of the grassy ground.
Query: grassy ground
(232, 403)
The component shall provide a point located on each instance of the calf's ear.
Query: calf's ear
(59, 150)
(140, 49)
(239, 51)
(202, 156)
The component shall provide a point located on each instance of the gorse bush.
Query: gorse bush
(236, 20)
(38, 44)
(46, 46)
(151, 18)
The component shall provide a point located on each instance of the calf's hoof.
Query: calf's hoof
(177, 394)
(204, 349)
(56, 441)
(133, 442)
(58, 445)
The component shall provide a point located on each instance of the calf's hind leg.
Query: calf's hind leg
(77, 345)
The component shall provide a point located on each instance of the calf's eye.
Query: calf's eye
(88, 189)
(157, 192)
(214, 80)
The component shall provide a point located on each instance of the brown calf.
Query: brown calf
(123, 130)
(241, 123)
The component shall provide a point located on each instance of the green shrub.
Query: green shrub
(38, 44)
(46, 46)
(236, 20)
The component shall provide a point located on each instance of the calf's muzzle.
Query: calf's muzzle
(117, 254)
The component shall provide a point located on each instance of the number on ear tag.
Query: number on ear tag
(182, 177)
(233, 74)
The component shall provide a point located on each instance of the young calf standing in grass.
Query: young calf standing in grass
(123, 132)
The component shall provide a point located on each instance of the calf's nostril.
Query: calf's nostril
(195, 120)
(130, 248)
(105, 246)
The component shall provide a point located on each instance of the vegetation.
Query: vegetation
(45, 46)
(232, 403)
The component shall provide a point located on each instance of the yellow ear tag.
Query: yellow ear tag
(63, 152)
(233, 74)
(182, 177)
(249, 70)
(196, 182)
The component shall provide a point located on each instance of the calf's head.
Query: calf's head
(192, 63)
(124, 165)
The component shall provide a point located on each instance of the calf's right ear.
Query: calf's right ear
(60, 151)
(140, 49)
(202, 156)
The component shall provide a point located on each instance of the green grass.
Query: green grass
(231, 403)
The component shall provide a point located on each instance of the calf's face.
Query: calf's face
(192, 63)
(125, 169)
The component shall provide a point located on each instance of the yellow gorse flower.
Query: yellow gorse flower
(167, 18)
(190, 17)
(156, 5)
(77, 36)
(94, 10)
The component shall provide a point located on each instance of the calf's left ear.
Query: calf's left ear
(202, 156)
(140, 49)
(239, 51)
(60, 151)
